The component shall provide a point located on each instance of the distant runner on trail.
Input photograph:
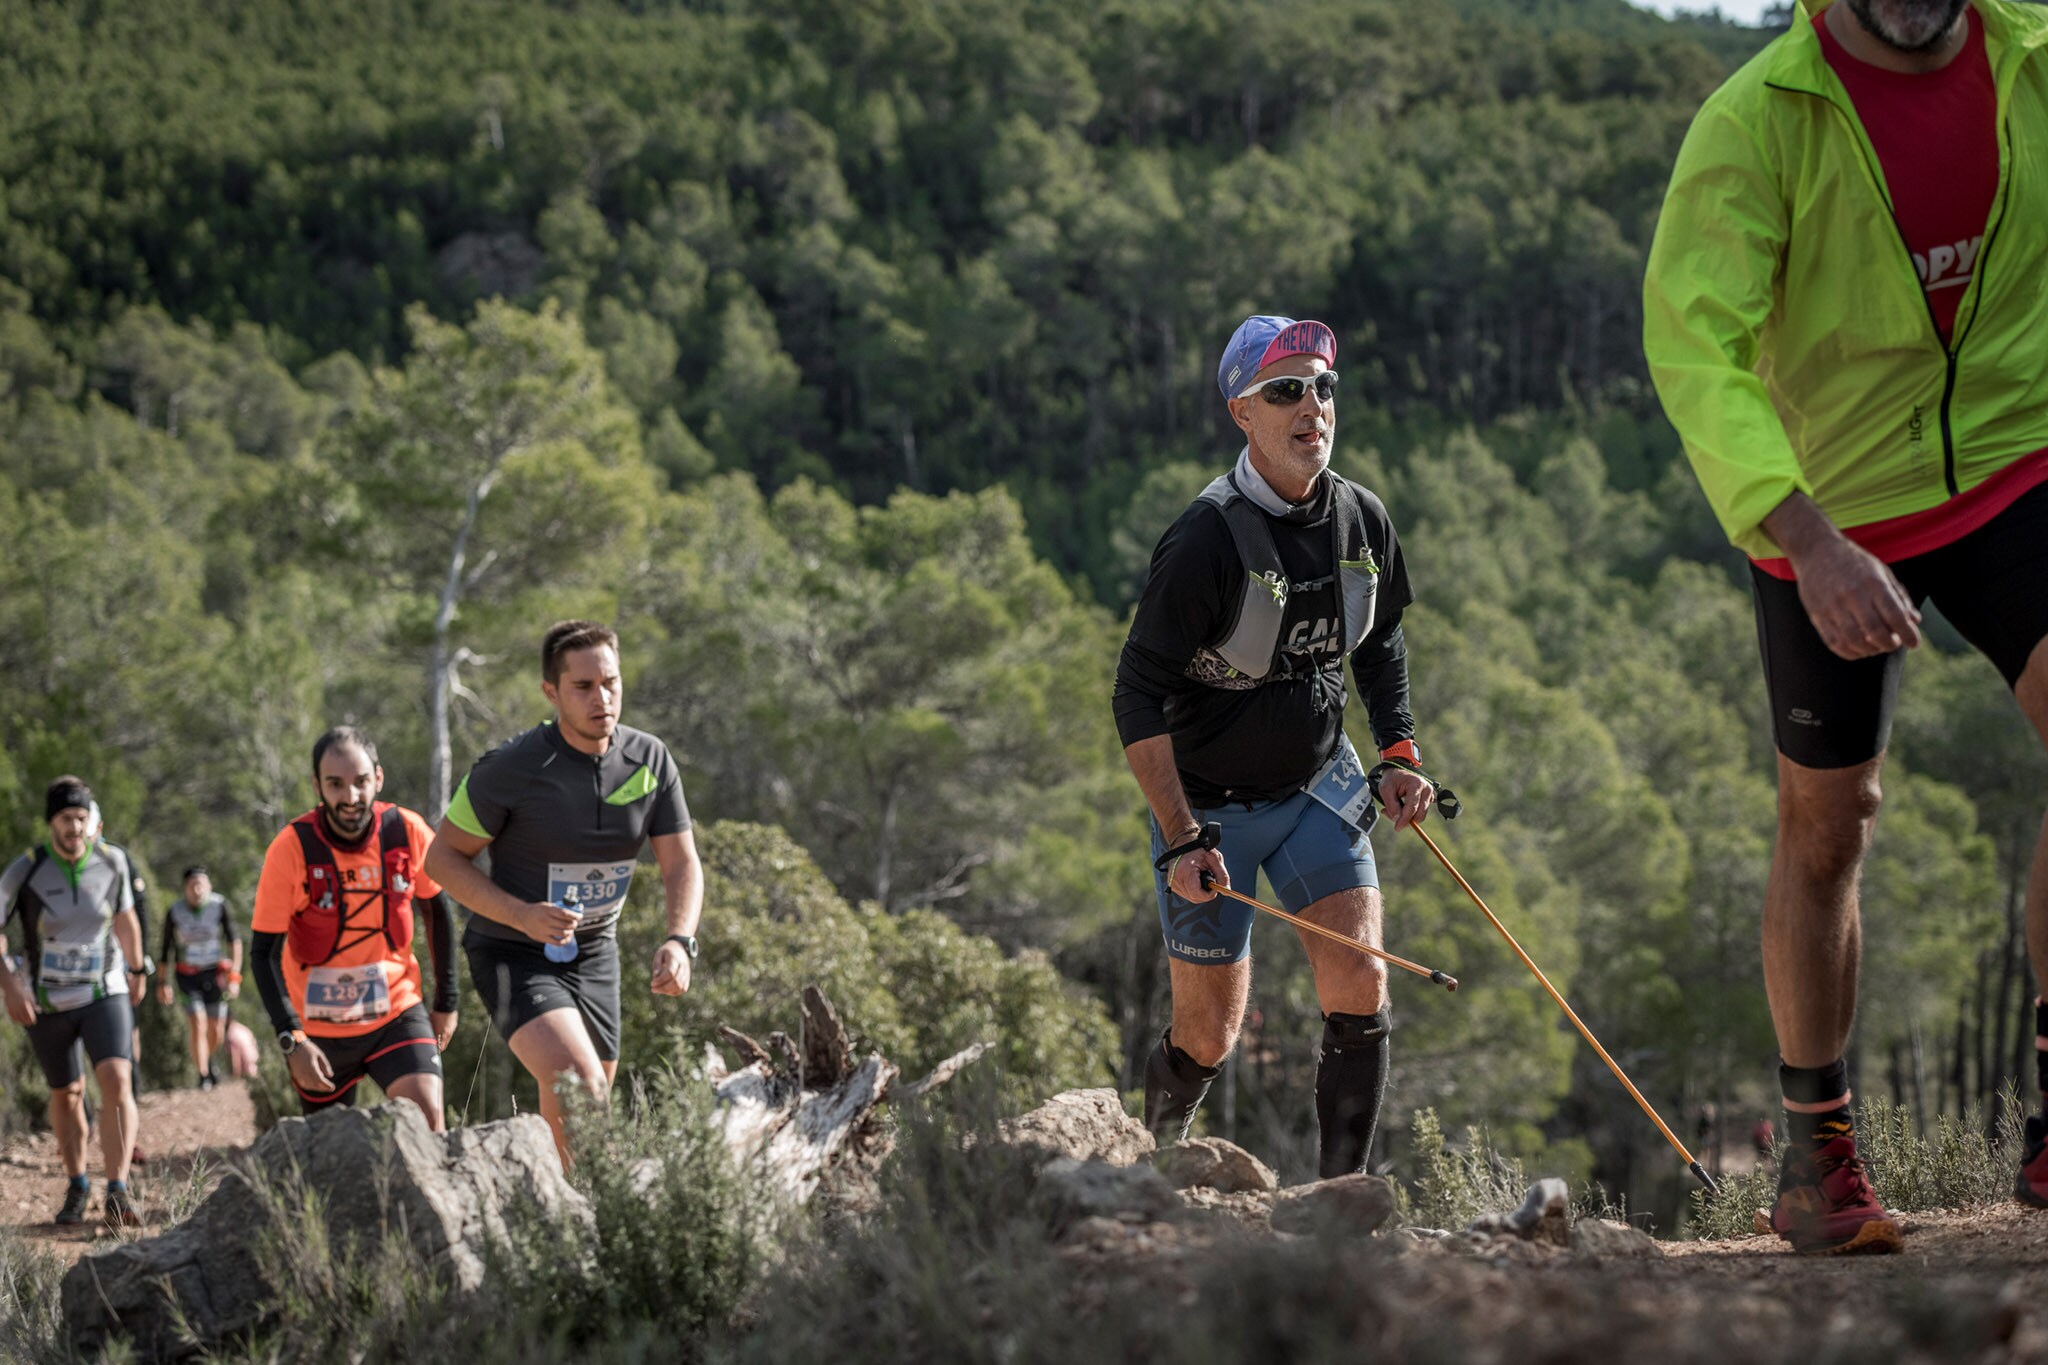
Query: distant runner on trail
(1846, 315)
(1230, 702)
(565, 809)
(342, 896)
(74, 897)
(202, 952)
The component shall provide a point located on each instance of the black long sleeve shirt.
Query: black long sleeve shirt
(1263, 742)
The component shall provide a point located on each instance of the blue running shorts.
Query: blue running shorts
(1306, 851)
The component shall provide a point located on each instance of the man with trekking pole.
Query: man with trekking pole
(1230, 702)
(1846, 315)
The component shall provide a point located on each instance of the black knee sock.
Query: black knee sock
(1806, 1132)
(1351, 1080)
(1174, 1086)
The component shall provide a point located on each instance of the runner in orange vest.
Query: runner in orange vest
(342, 889)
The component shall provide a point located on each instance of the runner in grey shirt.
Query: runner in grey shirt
(74, 898)
(565, 810)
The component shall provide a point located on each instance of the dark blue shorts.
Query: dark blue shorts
(1307, 854)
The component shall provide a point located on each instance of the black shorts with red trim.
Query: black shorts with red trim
(404, 1047)
(1992, 585)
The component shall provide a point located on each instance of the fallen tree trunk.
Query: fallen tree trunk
(795, 1114)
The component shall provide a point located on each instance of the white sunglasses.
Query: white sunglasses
(1287, 389)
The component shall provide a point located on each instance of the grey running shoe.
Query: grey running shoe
(120, 1211)
(74, 1205)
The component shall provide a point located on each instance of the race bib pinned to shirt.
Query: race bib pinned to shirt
(1341, 786)
(597, 889)
(74, 964)
(347, 995)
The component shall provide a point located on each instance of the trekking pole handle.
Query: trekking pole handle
(1211, 835)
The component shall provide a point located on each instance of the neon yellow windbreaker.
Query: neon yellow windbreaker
(1786, 328)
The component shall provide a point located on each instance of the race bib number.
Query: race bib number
(204, 952)
(1342, 787)
(347, 995)
(74, 964)
(597, 889)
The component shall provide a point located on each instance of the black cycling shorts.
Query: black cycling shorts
(1992, 585)
(404, 1047)
(106, 1027)
(518, 985)
(203, 993)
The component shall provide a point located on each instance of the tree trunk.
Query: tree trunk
(440, 658)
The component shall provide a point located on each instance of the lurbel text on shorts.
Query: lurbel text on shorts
(1189, 950)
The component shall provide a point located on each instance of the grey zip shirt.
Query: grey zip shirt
(67, 916)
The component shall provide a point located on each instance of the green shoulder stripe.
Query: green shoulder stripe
(640, 784)
(462, 815)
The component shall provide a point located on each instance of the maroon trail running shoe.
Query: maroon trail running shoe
(1829, 1209)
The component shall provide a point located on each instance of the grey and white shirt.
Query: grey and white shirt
(67, 917)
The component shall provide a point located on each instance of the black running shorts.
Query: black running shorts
(1992, 585)
(105, 1027)
(202, 992)
(518, 985)
(404, 1047)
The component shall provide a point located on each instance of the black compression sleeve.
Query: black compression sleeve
(1381, 666)
(441, 944)
(167, 951)
(227, 923)
(267, 964)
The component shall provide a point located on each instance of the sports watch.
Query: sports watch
(288, 1041)
(689, 942)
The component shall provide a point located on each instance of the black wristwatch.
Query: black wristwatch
(288, 1041)
(689, 942)
(148, 967)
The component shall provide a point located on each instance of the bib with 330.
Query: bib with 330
(597, 889)
(347, 995)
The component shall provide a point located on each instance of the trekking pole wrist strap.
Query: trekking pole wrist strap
(1446, 799)
(1208, 836)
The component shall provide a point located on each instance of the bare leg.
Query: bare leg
(118, 1121)
(195, 1035)
(423, 1089)
(1347, 981)
(1813, 933)
(553, 1046)
(67, 1124)
(2032, 693)
(1208, 1007)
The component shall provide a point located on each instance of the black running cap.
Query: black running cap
(66, 793)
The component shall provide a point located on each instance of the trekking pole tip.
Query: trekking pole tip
(1444, 979)
(1705, 1179)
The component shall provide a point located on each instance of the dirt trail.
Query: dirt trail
(185, 1133)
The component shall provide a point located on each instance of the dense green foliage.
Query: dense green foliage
(850, 357)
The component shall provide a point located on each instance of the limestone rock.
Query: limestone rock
(1069, 1192)
(1545, 1216)
(1352, 1205)
(1217, 1165)
(1601, 1239)
(378, 1173)
(1080, 1125)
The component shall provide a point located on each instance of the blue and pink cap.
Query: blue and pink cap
(1260, 340)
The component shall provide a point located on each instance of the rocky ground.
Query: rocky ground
(1302, 1265)
(184, 1134)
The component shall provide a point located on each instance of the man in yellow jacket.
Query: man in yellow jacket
(1846, 315)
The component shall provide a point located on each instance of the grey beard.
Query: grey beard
(1907, 25)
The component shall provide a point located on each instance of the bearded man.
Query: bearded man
(1846, 315)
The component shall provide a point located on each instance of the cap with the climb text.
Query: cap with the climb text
(1260, 340)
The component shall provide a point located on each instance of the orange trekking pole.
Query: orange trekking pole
(1584, 1032)
(1444, 979)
